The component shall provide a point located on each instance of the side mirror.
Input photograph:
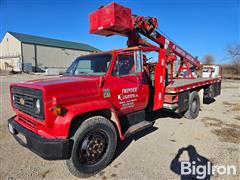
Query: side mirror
(138, 61)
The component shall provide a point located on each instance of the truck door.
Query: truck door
(129, 90)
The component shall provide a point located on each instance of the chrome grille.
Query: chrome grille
(27, 99)
(24, 100)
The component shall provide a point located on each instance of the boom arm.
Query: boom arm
(147, 27)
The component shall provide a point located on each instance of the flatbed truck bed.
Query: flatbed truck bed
(179, 85)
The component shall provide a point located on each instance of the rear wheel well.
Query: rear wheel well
(79, 119)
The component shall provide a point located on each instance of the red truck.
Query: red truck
(106, 96)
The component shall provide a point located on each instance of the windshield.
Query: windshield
(95, 65)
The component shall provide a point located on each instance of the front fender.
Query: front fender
(62, 124)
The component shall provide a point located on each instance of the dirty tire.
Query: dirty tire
(194, 106)
(91, 131)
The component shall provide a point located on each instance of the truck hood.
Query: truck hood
(65, 88)
(59, 81)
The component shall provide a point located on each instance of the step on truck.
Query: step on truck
(106, 96)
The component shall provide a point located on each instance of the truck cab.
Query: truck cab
(119, 78)
(108, 85)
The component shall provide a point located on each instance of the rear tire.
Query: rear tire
(94, 145)
(194, 106)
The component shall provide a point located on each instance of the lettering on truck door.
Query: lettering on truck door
(128, 92)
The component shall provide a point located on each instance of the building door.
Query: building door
(29, 57)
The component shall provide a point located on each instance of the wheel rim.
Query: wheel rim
(93, 147)
(194, 106)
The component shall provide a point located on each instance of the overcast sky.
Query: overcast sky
(199, 26)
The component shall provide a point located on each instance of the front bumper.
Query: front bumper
(50, 149)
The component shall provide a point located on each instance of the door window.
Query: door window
(124, 66)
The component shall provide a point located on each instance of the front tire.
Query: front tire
(194, 106)
(94, 145)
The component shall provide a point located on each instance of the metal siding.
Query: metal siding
(53, 57)
(28, 53)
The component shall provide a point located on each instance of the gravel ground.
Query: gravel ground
(215, 135)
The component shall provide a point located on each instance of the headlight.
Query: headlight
(37, 106)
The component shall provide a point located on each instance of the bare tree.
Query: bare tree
(208, 59)
(233, 52)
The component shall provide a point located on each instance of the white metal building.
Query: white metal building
(19, 51)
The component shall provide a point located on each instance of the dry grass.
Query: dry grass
(234, 106)
(236, 126)
(209, 121)
(228, 103)
(44, 173)
(231, 135)
(231, 71)
(237, 118)
(229, 87)
(225, 132)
